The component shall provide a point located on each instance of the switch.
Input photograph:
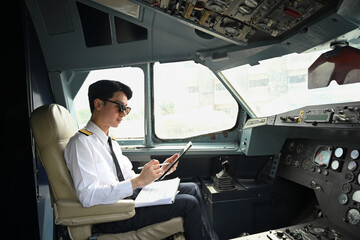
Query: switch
(280, 234)
(340, 118)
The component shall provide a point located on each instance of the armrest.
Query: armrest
(72, 213)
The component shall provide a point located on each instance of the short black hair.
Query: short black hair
(104, 89)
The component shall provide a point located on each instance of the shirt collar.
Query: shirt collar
(92, 127)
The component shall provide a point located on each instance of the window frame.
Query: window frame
(228, 136)
(143, 142)
(75, 86)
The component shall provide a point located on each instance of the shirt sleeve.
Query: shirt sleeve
(81, 163)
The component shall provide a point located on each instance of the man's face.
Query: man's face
(109, 113)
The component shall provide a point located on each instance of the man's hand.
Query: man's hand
(170, 160)
(149, 173)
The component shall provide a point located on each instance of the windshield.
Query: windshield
(280, 84)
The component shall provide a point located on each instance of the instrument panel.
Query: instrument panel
(332, 169)
(323, 116)
(310, 231)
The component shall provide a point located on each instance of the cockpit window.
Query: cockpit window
(132, 126)
(281, 84)
(189, 101)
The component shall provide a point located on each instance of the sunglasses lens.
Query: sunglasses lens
(127, 110)
(122, 108)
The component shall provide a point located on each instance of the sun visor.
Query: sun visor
(342, 64)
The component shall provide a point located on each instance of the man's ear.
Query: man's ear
(98, 104)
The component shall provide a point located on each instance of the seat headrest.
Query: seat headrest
(52, 127)
(51, 123)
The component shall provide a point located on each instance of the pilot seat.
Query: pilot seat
(52, 127)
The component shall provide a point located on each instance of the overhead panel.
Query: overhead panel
(245, 20)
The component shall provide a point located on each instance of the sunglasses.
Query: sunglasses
(121, 107)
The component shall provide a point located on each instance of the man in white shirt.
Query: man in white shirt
(103, 175)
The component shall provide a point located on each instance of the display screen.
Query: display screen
(323, 155)
(317, 118)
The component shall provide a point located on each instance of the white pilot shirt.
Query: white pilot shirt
(93, 170)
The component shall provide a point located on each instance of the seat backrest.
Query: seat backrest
(52, 126)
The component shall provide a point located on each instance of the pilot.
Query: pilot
(103, 175)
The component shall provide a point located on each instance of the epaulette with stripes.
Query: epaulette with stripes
(85, 131)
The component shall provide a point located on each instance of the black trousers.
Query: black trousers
(188, 205)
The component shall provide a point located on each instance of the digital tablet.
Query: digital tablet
(181, 154)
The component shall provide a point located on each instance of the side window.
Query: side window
(132, 127)
(189, 101)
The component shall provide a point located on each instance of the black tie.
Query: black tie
(118, 170)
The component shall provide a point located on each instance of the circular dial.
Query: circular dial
(356, 196)
(349, 176)
(339, 152)
(343, 198)
(354, 154)
(300, 148)
(359, 178)
(306, 164)
(352, 165)
(335, 165)
(288, 159)
(346, 188)
(353, 216)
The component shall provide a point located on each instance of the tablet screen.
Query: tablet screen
(181, 154)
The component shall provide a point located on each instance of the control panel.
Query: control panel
(245, 20)
(332, 169)
(310, 231)
(334, 116)
(266, 135)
